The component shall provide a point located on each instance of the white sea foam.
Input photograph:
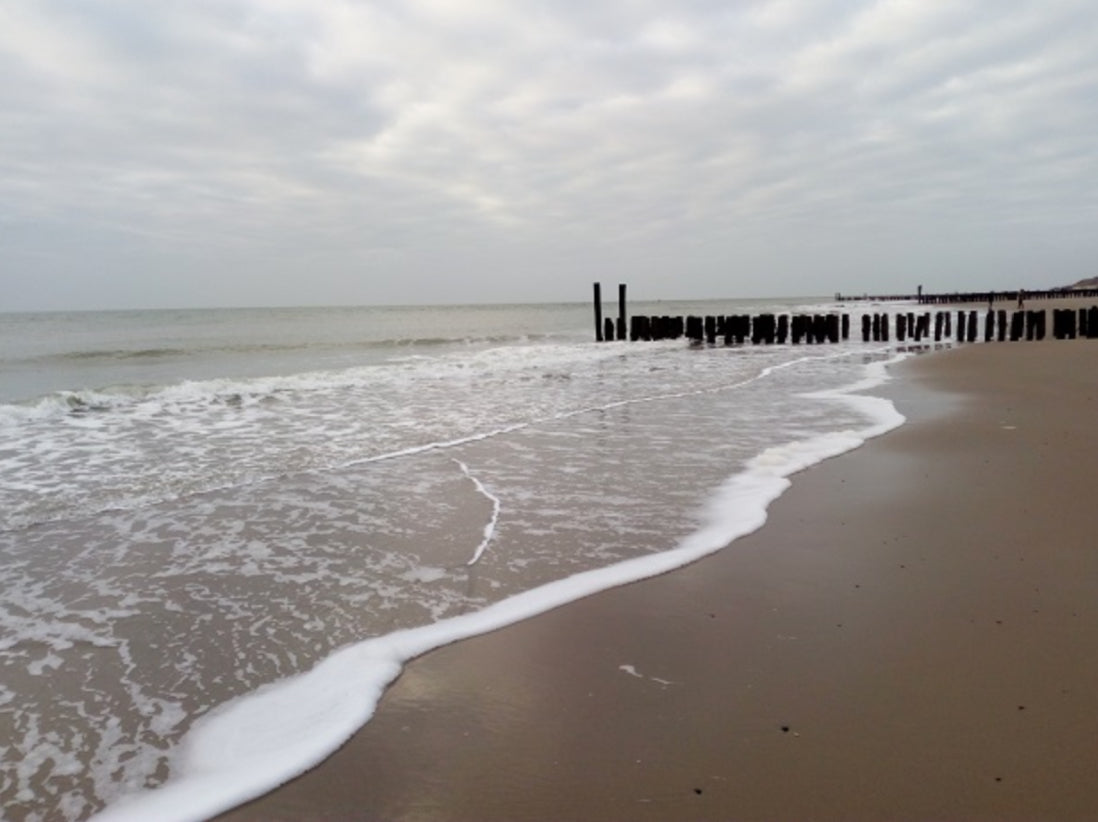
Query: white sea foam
(490, 528)
(251, 744)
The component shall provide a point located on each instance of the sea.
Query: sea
(224, 531)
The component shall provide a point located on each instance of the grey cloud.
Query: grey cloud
(292, 151)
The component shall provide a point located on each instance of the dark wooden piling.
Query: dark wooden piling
(989, 326)
(783, 329)
(1002, 315)
(937, 326)
(960, 326)
(901, 327)
(1017, 325)
(598, 312)
(621, 311)
(973, 322)
(1092, 322)
(608, 329)
(694, 329)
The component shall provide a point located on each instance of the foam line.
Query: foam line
(490, 528)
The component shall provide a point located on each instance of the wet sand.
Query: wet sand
(910, 636)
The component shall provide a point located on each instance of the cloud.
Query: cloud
(366, 152)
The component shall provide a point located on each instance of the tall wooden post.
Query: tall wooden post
(621, 311)
(598, 313)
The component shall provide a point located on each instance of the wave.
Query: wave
(256, 742)
(107, 355)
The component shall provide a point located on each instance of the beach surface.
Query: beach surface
(910, 636)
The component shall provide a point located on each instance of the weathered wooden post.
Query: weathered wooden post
(884, 328)
(694, 328)
(937, 326)
(1092, 322)
(846, 326)
(901, 327)
(989, 326)
(1084, 325)
(947, 331)
(1002, 324)
(867, 327)
(783, 328)
(972, 326)
(608, 330)
(1017, 325)
(598, 313)
(621, 311)
(960, 326)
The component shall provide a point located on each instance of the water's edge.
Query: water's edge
(236, 752)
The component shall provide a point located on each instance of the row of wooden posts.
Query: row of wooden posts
(989, 297)
(1000, 325)
(962, 326)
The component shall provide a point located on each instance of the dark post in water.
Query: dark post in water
(621, 311)
(598, 313)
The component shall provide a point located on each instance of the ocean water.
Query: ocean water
(222, 532)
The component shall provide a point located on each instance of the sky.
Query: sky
(179, 153)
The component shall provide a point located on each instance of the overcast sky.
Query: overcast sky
(283, 152)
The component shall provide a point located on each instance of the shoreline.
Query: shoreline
(776, 679)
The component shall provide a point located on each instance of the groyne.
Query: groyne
(962, 326)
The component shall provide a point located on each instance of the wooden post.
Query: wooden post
(846, 326)
(598, 313)
(867, 326)
(608, 329)
(960, 326)
(1017, 325)
(694, 329)
(989, 326)
(901, 327)
(937, 326)
(621, 311)
(972, 322)
(783, 329)
(1002, 324)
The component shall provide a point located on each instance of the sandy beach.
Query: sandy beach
(910, 636)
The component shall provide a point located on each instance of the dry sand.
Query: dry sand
(912, 635)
